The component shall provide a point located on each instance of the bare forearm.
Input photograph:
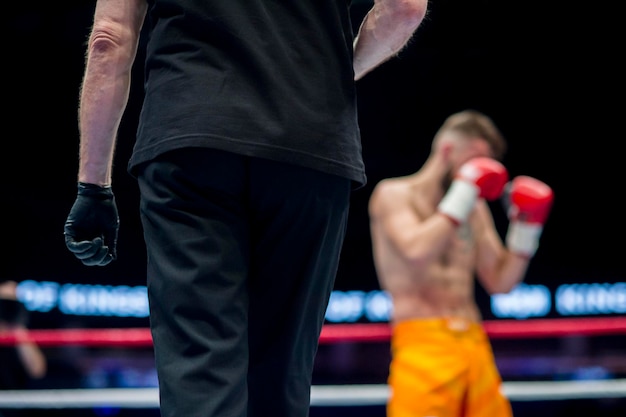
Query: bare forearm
(104, 95)
(32, 357)
(111, 52)
(429, 241)
(385, 31)
(499, 269)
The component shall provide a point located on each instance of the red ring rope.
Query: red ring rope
(336, 333)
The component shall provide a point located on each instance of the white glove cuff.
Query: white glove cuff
(523, 238)
(459, 201)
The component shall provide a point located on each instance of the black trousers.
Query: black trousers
(242, 257)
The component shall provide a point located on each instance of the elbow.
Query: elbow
(418, 257)
(105, 37)
(493, 281)
(496, 286)
(110, 43)
(499, 289)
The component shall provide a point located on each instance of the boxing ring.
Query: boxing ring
(321, 395)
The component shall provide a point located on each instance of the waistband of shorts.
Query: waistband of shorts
(450, 324)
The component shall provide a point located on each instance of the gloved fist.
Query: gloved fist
(479, 177)
(92, 225)
(528, 202)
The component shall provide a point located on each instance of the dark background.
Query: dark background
(549, 74)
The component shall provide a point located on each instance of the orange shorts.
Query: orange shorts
(444, 368)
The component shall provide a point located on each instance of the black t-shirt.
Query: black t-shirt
(266, 78)
(12, 373)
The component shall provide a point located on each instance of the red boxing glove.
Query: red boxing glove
(479, 177)
(489, 175)
(529, 202)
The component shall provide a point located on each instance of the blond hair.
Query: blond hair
(474, 124)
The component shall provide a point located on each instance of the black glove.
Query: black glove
(92, 225)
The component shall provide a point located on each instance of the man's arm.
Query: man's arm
(420, 240)
(417, 240)
(501, 266)
(111, 51)
(92, 224)
(498, 269)
(31, 355)
(385, 30)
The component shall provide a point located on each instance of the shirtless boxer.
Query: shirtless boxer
(432, 235)
(23, 362)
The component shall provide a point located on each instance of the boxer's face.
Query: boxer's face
(464, 151)
(468, 149)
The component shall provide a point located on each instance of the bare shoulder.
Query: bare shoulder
(388, 194)
(389, 188)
